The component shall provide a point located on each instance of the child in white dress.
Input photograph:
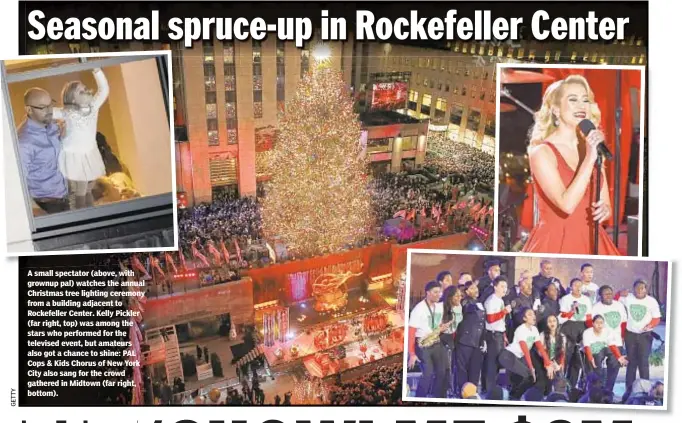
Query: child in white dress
(80, 160)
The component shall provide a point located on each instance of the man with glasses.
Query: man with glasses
(39, 146)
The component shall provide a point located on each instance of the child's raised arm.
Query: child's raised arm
(102, 88)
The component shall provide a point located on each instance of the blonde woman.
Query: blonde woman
(562, 165)
(80, 160)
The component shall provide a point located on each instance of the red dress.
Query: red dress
(558, 232)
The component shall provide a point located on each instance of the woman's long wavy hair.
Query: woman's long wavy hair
(450, 292)
(544, 118)
(559, 338)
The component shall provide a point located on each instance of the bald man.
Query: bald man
(39, 146)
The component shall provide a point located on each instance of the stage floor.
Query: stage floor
(376, 349)
(305, 339)
(303, 314)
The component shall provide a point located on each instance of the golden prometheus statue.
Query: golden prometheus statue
(331, 292)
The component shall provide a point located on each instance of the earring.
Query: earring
(556, 121)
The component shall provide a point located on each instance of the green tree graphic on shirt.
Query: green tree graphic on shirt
(437, 319)
(637, 311)
(596, 347)
(612, 319)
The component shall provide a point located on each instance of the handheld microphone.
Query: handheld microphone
(586, 126)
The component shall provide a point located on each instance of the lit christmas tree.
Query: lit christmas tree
(318, 200)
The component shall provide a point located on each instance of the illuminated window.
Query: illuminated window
(209, 81)
(413, 98)
(457, 46)
(586, 56)
(230, 75)
(230, 110)
(634, 60)
(75, 48)
(641, 59)
(639, 42)
(520, 53)
(574, 56)
(491, 50)
(211, 111)
(464, 47)
(548, 55)
(441, 107)
(481, 50)
(257, 81)
(557, 55)
(426, 104)
(531, 54)
(510, 53)
(500, 52)
(208, 51)
(594, 57)
(212, 126)
(456, 114)
(210, 98)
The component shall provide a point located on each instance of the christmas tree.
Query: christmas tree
(318, 199)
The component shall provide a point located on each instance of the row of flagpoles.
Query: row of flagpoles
(153, 265)
(477, 209)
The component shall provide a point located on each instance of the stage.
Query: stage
(303, 344)
(357, 354)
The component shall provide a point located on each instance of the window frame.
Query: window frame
(73, 221)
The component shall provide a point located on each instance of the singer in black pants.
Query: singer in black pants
(434, 364)
(573, 331)
(495, 344)
(638, 348)
(469, 339)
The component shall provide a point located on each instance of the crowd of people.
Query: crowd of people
(381, 386)
(226, 218)
(473, 165)
(542, 331)
(230, 228)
